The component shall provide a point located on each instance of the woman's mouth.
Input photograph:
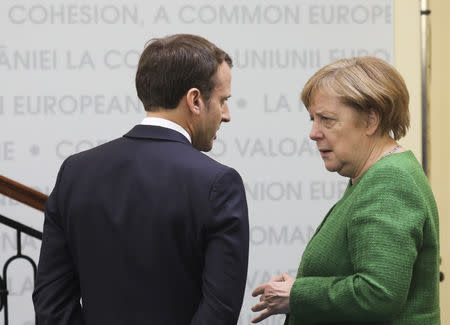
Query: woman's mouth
(324, 152)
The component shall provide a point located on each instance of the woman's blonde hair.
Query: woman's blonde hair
(365, 83)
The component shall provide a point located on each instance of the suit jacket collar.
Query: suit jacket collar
(156, 132)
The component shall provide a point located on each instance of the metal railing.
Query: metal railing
(34, 199)
(20, 229)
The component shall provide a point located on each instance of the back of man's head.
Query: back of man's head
(172, 65)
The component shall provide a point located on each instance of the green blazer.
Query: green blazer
(375, 257)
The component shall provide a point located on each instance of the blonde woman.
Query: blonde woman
(375, 257)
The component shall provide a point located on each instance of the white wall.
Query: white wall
(67, 84)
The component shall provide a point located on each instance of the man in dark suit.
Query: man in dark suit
(146, 229)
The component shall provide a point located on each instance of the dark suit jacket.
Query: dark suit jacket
(145, 230)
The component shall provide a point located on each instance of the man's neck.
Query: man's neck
(174, 115)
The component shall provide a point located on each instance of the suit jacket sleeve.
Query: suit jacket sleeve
(56, 296)
(384, 236)
(226, 253)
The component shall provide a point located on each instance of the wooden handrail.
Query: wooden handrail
(22, 193)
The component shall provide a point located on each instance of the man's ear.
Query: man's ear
(194, 100)
(373, 121)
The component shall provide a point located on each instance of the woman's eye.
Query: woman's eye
(328, 121)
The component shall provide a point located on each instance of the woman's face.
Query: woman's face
(341, 135)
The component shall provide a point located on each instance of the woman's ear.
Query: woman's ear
(373, 121)
(194, 100)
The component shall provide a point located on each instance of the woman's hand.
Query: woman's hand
(274, 297)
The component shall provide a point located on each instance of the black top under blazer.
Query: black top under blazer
(144, 229)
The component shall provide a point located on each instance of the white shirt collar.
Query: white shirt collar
(157, 121)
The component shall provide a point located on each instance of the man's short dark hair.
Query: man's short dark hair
(172, 65)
